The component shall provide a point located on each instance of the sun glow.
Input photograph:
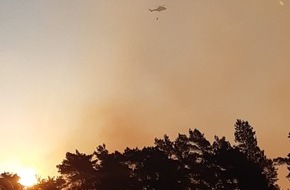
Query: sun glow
(27, 177)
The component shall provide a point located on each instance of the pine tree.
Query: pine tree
(246, 140)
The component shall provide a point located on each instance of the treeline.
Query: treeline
(190, 162)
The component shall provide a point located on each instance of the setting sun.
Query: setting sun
(27, 177)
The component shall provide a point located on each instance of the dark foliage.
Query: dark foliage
(248, 145)
(190, 162)
(284, 160)
(79, 171)
(112, 171)
(10, 181)
(51, 183)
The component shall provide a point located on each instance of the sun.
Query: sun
(27, 177)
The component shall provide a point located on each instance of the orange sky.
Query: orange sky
(75, 74)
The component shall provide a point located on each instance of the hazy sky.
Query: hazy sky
(78, 73)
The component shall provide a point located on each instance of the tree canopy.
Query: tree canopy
(284, 160)
(189, 162)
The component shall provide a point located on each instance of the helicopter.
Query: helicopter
(159, 8)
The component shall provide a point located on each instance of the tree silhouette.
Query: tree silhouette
(152, 169)
(234, 170)
(190, 152)
(10, 179)
(78, 170)
(51, 183)
(190, 162)
(284, 160)
(247, 144)
(112, 170)
(287, 161)
(100, 170)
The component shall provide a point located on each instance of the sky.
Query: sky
(76, 74)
